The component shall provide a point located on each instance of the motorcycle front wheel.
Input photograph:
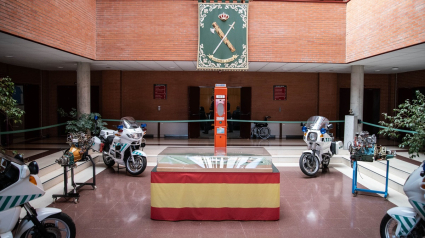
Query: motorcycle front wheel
(388, 227)
(309, 164)
(57, 225)
(138, 166)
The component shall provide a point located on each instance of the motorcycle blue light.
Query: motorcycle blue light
(120, 127)
(323, 130)
(143, 125)
(96, 117)
(304, 129)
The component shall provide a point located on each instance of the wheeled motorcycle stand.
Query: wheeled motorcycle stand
(74, 194)
(354, 185)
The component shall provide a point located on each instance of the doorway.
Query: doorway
(371, 109)
(206, 96)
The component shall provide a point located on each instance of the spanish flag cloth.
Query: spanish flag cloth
(217, 196)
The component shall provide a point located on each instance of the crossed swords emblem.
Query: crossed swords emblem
(223, 36)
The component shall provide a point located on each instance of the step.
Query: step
(55, 177)
(378, 175)
(47, 164)
(398, 167)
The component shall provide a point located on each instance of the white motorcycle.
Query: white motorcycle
(408, 221)
(123, 146)
(20, 184)
(320, 145)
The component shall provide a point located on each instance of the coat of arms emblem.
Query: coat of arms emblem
(223, 36)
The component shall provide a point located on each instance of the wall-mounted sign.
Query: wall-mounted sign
(279, 92)
(160, 91)
(223, 36)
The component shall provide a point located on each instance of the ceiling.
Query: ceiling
(21, 52)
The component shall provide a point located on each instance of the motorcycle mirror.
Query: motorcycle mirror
(19, 157)
(302, 124)
(330, 127)
(33, 166)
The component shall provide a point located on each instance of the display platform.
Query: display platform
(202, 186)
(207, 159)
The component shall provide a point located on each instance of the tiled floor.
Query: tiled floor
(310, 207)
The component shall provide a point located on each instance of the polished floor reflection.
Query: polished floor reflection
(310, 207)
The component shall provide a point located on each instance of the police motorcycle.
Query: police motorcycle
(320, 145)
(408, 221)
(123, 145)
(19, 184)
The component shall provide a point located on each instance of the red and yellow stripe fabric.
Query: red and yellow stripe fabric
(215, 196)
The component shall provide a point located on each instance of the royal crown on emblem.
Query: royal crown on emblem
(223, 16)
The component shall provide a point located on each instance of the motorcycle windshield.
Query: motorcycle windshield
(317, 122)
(129, 123)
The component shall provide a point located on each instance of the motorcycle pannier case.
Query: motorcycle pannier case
(97, 145)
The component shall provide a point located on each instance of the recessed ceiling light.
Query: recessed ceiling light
(60, 67)
(394, 68)
(377, 70)
(172, 67)
(9, 56)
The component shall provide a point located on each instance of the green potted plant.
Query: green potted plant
(85, 123)
(410, 116)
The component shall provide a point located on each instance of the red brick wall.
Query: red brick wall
(137, 93)
(415, 79)
(375, 27)
(66, 25)
(111, 94)
(328, 95)
(304, 91)
(168, 30)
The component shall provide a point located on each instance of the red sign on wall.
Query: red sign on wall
(279, 92)
(160, 91)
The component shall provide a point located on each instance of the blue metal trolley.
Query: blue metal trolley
(355, 189)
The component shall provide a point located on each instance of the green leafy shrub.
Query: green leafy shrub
(85, 123)
(8, 105)
(409, 116)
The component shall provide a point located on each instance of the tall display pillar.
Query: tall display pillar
(357, 92)
(220, 118)
(350, 129)
(83, 88)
